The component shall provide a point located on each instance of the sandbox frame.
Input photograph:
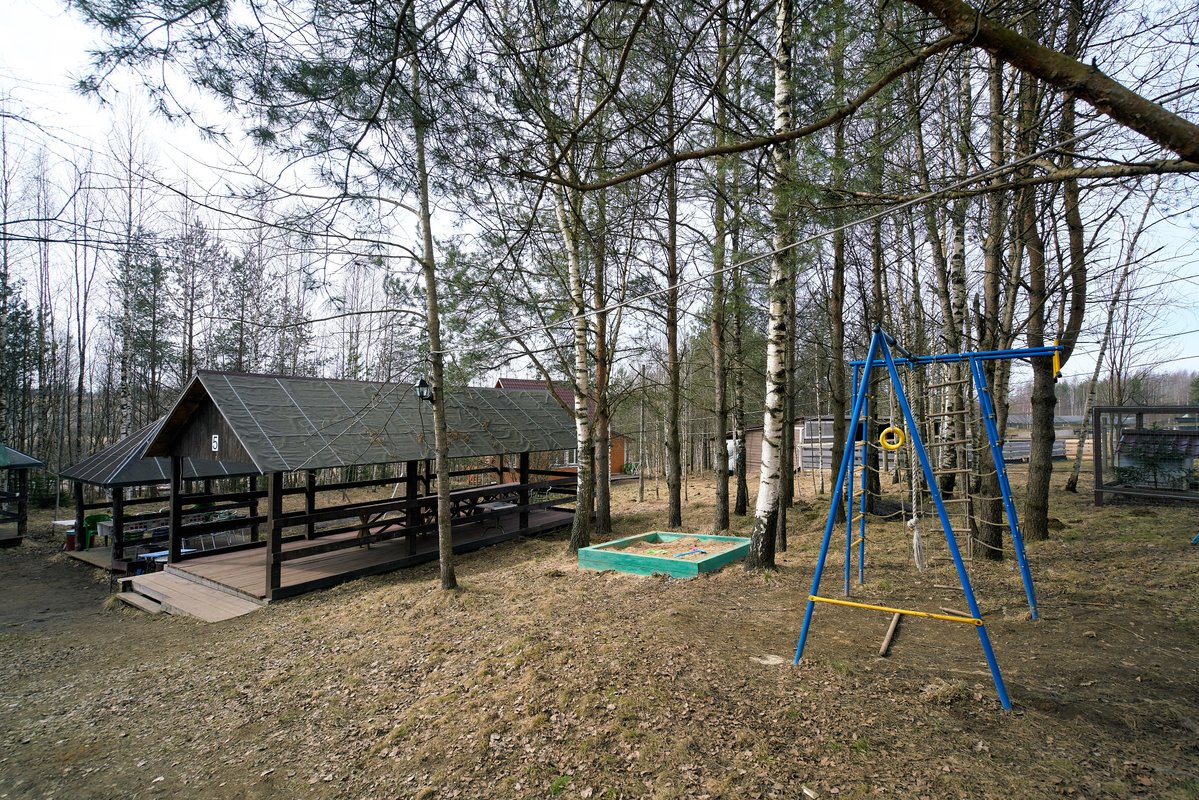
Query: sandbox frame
(609, 555)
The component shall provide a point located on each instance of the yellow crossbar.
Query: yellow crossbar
(856, 542)
(947, 617)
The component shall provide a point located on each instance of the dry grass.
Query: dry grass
(538, 680)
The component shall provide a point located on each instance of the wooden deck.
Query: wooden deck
(244, 571)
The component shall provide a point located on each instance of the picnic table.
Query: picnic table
(157, 556)
(465, 502)
(104, 528)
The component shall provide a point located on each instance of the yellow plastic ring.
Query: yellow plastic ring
(887, 443)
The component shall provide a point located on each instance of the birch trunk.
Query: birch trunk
(761, 548)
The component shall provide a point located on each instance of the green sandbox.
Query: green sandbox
(609, 555)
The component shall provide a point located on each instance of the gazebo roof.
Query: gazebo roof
(121, 464)
(15, 459)
(281, 424)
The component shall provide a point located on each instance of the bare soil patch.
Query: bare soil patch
(539, 680)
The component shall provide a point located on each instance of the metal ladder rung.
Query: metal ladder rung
(949, 383)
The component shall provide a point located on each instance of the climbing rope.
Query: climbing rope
(913, 522)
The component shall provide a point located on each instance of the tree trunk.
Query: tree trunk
(1130, 251)
(674, 466)
(837, 392)
(441, 441)
(603, 423)
(720, 515)
(762, 540)
(741, 505)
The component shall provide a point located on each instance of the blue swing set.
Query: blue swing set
(879, 356)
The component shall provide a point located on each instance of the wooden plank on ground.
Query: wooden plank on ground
(882, 651)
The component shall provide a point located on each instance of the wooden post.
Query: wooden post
(310, 500)
(254, 508)
(412, 515)
(118, 521)
(23, 502)
(1097, 454)
(80, 512)
(175, 531)
(524, 490)
(274, 533)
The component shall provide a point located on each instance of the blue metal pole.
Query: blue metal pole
(934, 490)
(992, 425)
(857, 375)
(865, 482)
(981, 355)
(838, 492)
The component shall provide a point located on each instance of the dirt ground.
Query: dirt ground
(539, 680)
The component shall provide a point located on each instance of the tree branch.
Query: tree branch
(1109, 172)
(1063, 72)
(846, 110)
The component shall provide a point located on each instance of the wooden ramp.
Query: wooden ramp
(163, 591)
(97, 556)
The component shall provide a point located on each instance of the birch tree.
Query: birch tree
(766, 513)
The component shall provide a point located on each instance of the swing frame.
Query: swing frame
(879, 356)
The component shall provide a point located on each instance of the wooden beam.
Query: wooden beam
(118, 522)
(523, 480)
(310, 499)
(22, 502)
(274, 532)
(413, 515)
(254, 507)
(175, 529)
(80, 510)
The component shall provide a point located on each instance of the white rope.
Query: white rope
(914, 479)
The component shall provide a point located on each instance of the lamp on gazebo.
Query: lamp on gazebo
(423, 390)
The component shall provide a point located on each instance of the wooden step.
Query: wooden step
(140, 601)
(178, 595)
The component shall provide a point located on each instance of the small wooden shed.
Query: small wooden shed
(14, 493)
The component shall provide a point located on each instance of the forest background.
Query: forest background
(702, 209)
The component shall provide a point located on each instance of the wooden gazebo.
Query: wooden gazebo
(298, 426)
(119, 468)
(14, 493)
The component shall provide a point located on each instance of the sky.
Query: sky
(42, 46)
